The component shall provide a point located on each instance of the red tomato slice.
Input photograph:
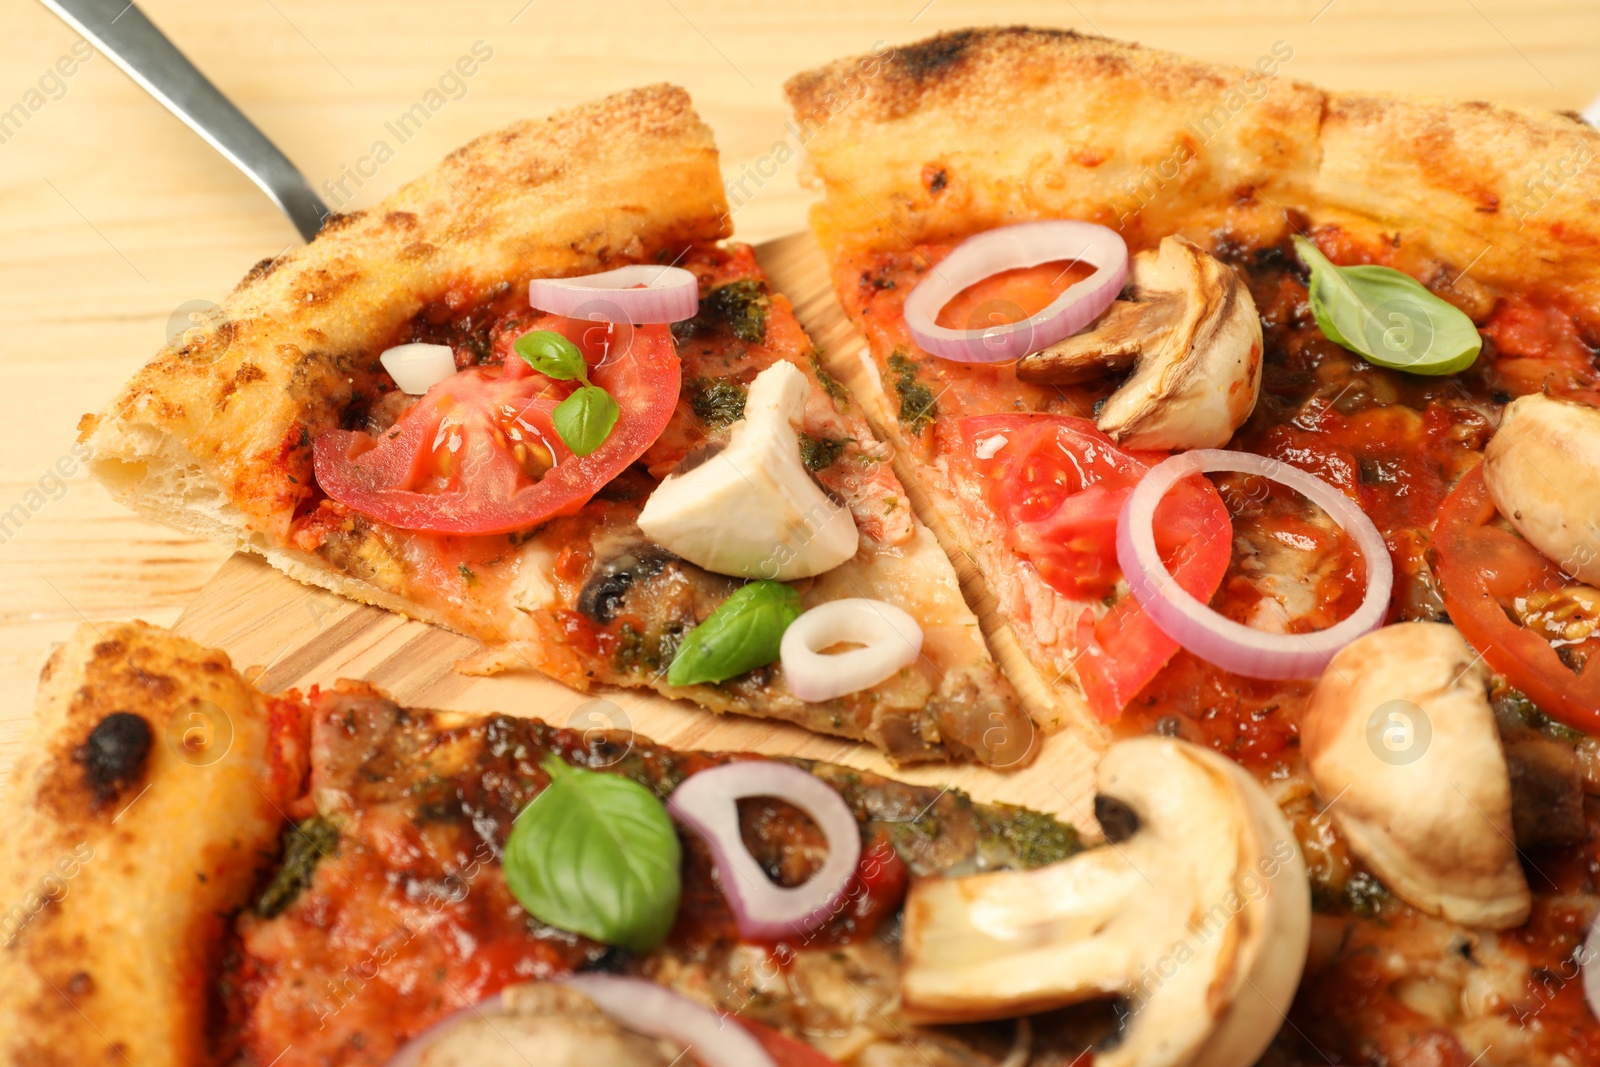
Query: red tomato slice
(785, 1050)
(478, 453)
(1482, 567)
(1058, 485)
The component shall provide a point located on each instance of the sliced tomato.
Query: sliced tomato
(786, 1051)
(1058, 484)
(478, 454)
(1483, 568)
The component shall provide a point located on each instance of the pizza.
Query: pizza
(385, 413)
(207, 874)
(1269, 418)
(1088, 274)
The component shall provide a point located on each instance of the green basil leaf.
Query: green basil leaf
(597, 854)
(552, 355)
(1387, 317)
(584, 419)
(741, 635)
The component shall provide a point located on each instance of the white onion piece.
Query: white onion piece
(1590, 962)
(891, 639)
(670, 294)
(411, 1053)
(713, 1040)
(418, 367)
(1026, 244)
(1222, 641)
(707, 803)
(634, 1003)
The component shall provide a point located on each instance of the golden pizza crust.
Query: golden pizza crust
(1030, 123)
(126, 846)
(215, 437)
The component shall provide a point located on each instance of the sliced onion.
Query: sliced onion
(714, 1040)
(1222, 641)
(634, 1003)
(418, 367)
(668, 294)
(410, 1054)
(707, 803)
(891, 639)
(1026, 244)
(1591, 968)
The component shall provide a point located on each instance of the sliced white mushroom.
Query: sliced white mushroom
(1198, 912)
(1192, 336)
(751, 509)
(1543, 473)
(1402, 746)
(544, 1023)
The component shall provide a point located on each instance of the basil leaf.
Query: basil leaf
(584, 419)
(552, 355)
(597, 854)
(741, 635)
(1388, 318)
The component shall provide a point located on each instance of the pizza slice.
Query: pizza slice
(1271, 418)
(385, 413)
(206, 875)
(1204, 175)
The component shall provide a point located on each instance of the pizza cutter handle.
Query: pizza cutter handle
(120, 30)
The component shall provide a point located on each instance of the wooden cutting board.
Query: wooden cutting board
(287, 635)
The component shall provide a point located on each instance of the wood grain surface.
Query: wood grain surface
(113, 216)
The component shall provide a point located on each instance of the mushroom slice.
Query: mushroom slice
(1543, 473)
(1199, 913)
(752, 509)
(1191, 333)
(1402, 745)
(548, 1024)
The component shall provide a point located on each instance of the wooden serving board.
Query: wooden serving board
(283, 635)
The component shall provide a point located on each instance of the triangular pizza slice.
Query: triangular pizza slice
(387, 413)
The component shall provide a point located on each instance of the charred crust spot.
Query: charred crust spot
(261, 270)
(114, 754)
(400, 219)
(1117, 820)
(926, 59)
(81, 984)
(338, 221)
(247, 373)
(935, 179)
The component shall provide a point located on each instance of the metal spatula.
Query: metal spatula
(120, 30)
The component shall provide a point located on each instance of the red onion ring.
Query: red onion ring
(1026, 244)
(713, 1039)
(707, 803)
(669, 294)
(1591, 969)
(1222, 641)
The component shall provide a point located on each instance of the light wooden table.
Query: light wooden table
(113, 215)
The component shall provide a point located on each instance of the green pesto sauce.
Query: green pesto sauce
(830, 385)
(304, 846)
(716, 402)
(918, 407)
(741, 306)
(820, 453)
(1035, 839)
